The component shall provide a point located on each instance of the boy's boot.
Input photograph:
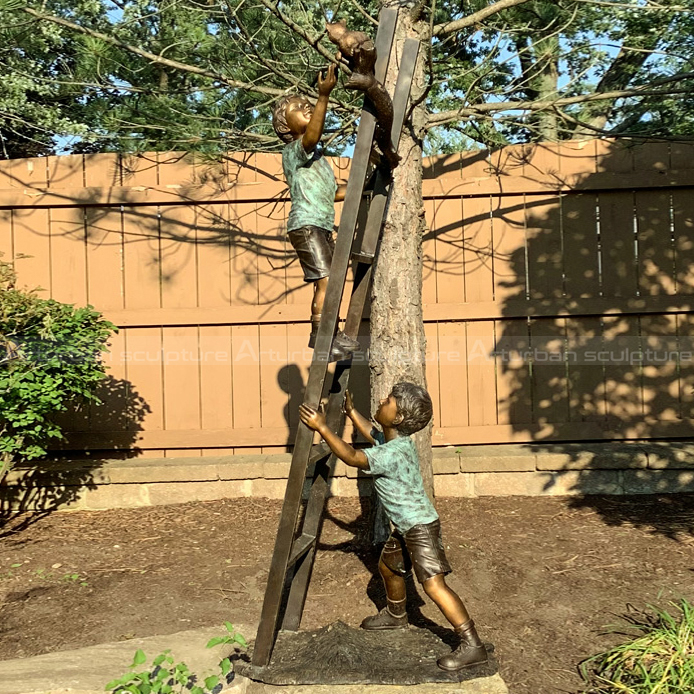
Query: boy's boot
(342, 345)
(471, 650)
(393, 616)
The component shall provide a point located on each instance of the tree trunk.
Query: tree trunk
(397, 329)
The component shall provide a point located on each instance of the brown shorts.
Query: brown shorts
(420, 548)
(315, 247)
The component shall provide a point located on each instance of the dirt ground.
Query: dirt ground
(542, 577)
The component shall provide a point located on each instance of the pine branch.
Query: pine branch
(450, 116)
(152, 57)
(474, 18)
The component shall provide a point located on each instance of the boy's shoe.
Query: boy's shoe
(384, 620)
(471, 650)
(342, 345)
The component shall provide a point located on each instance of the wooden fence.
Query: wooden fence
(558, 293)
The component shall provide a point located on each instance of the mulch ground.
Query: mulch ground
(542, 577)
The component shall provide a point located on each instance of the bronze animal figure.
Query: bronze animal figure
(360, 53)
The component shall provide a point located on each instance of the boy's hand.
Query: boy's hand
(349, 405)
(313, 419)
(327, 84)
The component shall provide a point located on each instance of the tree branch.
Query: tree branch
(311, 41)
(474, 18)
(450, 116)
(235, 84)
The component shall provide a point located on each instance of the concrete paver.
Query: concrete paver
(87, 670)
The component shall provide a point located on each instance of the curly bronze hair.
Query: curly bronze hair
(415, 406)
(279, 117)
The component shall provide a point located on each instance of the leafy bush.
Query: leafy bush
(166, 676)
(658, 658)
(50, 357)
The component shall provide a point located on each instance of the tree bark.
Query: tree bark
(397, 329)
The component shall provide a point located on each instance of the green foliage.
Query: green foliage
(166, 676)
(50, 358)
(658, 657)
(59, 81)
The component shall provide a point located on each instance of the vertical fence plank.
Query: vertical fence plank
(429, 253)
(683, 232)
(66, 171)
(32, 248)
(145, 372)
(216, 382)
(7, 235)
(141, 257)
(656, 255)
(21, 173)
(513, 376)
(68, 255)
(452, 350)
(274, 400)
(102, 170)
(481, 376)
(614, 156)
(213, 246)
(623, 387)
(104, 232)
(139, 169)
(618, 243)
(244, 256)
(549, 382)
(269, 228)
(580, 245)
(660, 378)
(509, 261)
(112, 413)
(545, 259)
(178, 258)
(449, 251)
(246, 376)
(433, 371)
(294, 376)
(576, 159)
(586, 370)
(181, 378)
(478, 249)
(685, 344)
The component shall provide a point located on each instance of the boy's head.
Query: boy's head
(408, 408)
(291, 116)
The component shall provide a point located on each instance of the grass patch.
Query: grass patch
(657, 658)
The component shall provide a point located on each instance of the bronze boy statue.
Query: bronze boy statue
(416, 540)
(312, 189)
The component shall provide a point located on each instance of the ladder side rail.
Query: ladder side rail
(265, 638)
(334, 416)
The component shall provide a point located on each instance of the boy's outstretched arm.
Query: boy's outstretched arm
(314, 129)
(348, 455)
(361, 423)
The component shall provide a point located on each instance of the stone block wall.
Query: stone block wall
(471, 471)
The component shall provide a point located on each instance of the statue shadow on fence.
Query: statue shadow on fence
(35, 489)
(581, 304)
(166, 242)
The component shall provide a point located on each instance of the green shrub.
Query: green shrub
(658, 658)
(50, 357)
(166, 676)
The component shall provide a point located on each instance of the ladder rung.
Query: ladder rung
(301, 545)
(366, 258)
(318, 452)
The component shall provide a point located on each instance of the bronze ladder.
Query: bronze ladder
(294, 553)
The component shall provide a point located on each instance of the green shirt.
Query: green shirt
(311, 187)
(398, 481)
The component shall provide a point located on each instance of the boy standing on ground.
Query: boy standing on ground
(312, 189)
(416, 540)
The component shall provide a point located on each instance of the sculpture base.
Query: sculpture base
(340, 654)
